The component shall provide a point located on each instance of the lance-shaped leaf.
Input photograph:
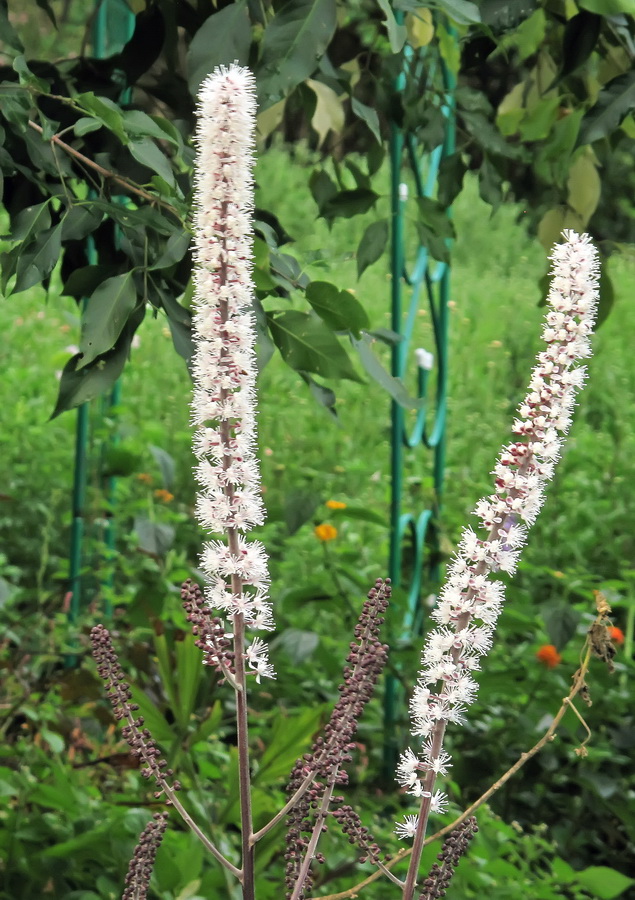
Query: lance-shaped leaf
(106, 313)
(339, 309)
(614, 103)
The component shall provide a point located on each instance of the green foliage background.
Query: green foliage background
(545, 119)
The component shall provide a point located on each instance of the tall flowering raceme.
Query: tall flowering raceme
(471, 600)
(224, 368)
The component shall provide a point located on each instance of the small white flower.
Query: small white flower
(407, 828)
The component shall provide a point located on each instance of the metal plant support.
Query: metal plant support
(415, 531)
(113, 27)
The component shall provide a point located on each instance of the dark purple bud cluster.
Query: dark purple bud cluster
(142, 862)
(351, 825)
(139, 739)
(364, 664)
(454, 847)
(209, 630)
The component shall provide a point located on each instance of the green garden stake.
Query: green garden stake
(113, 27)
(418, 530)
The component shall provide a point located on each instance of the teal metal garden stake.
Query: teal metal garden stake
(113, 27)
(420, 527)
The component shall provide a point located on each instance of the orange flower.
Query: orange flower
(325, 532)
(164, 495)
(617, 635)
(335, 504)
(144, 478)
(548, 656)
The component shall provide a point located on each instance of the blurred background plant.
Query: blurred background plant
(565, 828)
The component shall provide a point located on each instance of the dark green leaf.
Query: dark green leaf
(224, 38)
(174, 251)
(9, 35)
(372, 245)
(27, 77)
(306, 344)
(78, 386)
(580, 36)
(289, 738)
(105, 315)
(607, 296)
(82, 282)
(322, 187)
(299, 507)
(120, 462)
(45, 5)
(609, 7)
(29, 222)
(361, 513)
(614, 102)
(394, 386)
(79, 222)
(339, 309)
(434, 228)
(323, 395)
(139, 124)
(368, 115)
(450, 179)
(39, 259)
(293, 43)
(347, 204)
(561, 622)
(148, 154)
(488, 137)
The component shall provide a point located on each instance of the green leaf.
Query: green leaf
(368, 115)
(298, 645)
(339, 309)
(306, 344)
(323, 395)
(155, 538)
(434, 228)
(174, 251)
(394, 386)
(79, 222)
(397, 34)
(223, 38)
(78, 386)
(488, 137)
(609, 7)
(148, 154)
(460, 11)
(346, 204)
(580, 36)
(105, 315)
(293, 43)
(372, 245)
(82, 282)
(139, 124)
(561, 622)
(603, 883)
(452, 170)
(288, 740)
(8, 32)
(85, 125)
(614, 102)
(29, 222)
(27, 77)
(105, 111)
(299, 507)
(39, 259)
(360, 513)
(188, 674)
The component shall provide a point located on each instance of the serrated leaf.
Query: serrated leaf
(614, 102)
(105, 316)
(223, 38)
(372, 245)
(306, 344)
(293, 43)
(339, 309)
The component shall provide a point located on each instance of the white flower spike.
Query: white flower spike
(471, 601)
(224, 368)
